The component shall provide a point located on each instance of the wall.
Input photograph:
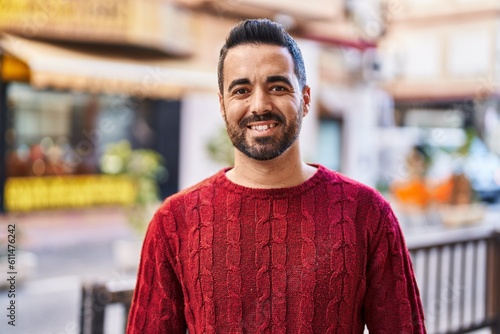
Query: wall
(441, 57)
(200, 119)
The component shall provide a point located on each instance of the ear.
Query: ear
(306, 99)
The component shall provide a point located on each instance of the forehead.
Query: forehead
(251, 61)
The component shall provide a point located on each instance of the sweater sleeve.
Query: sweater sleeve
(157, 304)
(392, 302)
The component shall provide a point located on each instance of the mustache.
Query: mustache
(261, 118)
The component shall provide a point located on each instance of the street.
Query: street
(70, 248)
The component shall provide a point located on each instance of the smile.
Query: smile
(263, 127)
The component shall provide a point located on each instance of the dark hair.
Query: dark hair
(261, 31)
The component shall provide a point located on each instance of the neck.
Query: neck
(285, 171)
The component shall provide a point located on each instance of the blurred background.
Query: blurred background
(108, 107)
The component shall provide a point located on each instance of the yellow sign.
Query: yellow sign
(33, 193)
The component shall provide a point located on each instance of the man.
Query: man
(273, 245)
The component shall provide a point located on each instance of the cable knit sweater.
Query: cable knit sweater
(326, 256)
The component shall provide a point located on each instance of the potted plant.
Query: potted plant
(219, 147)
(145, 168)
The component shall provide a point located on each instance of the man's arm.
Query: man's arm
(157, 305)
(392, 300)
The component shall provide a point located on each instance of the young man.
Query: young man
(273, 245)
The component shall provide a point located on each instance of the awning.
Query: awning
(105, 70)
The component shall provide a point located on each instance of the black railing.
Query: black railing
(458, 276)
(459, 280)
(95, 299)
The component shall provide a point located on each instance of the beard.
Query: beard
(268, 147)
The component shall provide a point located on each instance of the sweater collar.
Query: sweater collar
(322, 174)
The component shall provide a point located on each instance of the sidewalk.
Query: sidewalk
(67, 248)
(61, 228)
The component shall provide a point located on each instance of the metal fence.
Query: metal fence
(95, 299)
(459, 281)
(458, 276)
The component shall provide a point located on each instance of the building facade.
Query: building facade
(70, 69)
(441, 65)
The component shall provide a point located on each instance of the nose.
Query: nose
(260, 102)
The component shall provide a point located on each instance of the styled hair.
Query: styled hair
(261, 31)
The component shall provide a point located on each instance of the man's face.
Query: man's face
(261, 101)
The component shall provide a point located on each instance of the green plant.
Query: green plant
(145, 167)
(219, 147)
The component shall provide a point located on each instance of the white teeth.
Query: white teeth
(263, 127)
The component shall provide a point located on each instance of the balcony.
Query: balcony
(156, 25)
(440, 60)
(299, 10)
(416, 11)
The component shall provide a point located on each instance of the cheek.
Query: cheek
(235, 110)
(292, 109)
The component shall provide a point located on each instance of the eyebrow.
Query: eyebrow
(270, 79)
(242, 81)
(279, 78)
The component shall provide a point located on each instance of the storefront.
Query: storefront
(63, 103)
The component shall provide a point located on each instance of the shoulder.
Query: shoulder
(369, 211)
(350, 189)
(363, 204)
(179, 199)
(173, 213)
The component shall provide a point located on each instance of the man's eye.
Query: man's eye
(240, 91)
(278, 88)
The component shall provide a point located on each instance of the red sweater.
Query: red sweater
(327, 256)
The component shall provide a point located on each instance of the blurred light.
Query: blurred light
(496, 177)
(438, 136)
(23, 152)
(46, 145)
(38, 167)
(62, 141)
(286, 20)
(111, 164)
